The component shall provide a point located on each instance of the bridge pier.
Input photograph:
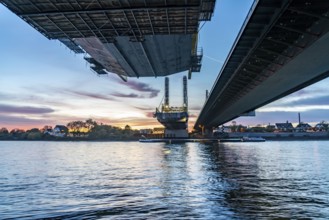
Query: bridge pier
(206, 132)
(176, 133)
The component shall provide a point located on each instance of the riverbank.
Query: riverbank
(282, 136)
(201, 140)
(75, 139)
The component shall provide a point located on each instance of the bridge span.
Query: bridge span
(139, 38)
(282, 47)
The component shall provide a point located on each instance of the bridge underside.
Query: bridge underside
(282, 47)
(130, 38)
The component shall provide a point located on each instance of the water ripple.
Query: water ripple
(117, 180)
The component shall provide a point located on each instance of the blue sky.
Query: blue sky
(43, 83)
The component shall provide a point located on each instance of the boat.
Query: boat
(145, 140)
(253, 139)
(243, 139)
(230, 140)
(149, 140)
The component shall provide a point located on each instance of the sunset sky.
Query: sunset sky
(43, 83)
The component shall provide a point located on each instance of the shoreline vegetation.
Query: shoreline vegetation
(69, 139)
(88, 130)
(91, 130)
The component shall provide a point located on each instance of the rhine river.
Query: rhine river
(131, 180)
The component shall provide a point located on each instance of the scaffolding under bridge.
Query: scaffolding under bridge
(140, 38)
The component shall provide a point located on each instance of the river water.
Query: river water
(131, 180)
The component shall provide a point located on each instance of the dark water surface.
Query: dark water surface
(131, 180)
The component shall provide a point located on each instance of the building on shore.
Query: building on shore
(58, 131)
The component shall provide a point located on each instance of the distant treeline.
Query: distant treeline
(75, 130)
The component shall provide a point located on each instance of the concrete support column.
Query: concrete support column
(176, 133)
(208, 132)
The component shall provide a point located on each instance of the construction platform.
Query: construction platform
(174, 119)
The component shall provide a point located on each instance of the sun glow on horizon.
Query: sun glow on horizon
(44, 83)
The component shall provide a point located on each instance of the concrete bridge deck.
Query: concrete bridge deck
(140, 38)
(282, 47)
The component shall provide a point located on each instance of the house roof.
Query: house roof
(284, 125)
(303, 125)
(61, 127)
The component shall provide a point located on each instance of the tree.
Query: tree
(46, 128)
(18, 134)
(76, 127)
(104, 132)
(90, 124)
(4, 131)
(270, 128)
(34, 136)
(33, 130)
(233, 126)
(258, 128)
(4, 134)
(100, 132)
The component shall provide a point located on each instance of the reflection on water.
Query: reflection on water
(276, 179)
(128, 180)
